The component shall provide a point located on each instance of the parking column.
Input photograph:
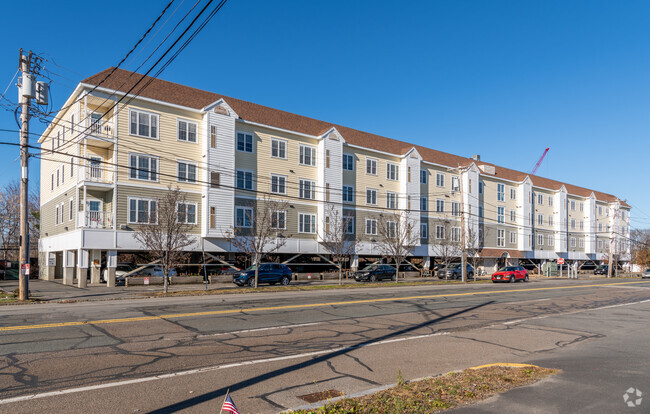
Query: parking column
(111, 263)
(82, 269)
(354, 264)
(68, 267)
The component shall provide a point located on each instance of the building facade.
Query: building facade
(108, 155)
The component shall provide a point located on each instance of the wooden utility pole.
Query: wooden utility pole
(612, 238)
(463, 241)
(25, 101)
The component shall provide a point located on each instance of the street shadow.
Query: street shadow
(219, 393)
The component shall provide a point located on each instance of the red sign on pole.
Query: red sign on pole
(25, 268)
(560, 261)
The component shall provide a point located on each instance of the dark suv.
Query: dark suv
(270, 273)
(603, 270)
(375, 272)
(455, 271)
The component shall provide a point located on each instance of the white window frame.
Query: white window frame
(550, 201)
(501, 192)
(424, 176)
(371, 224)
(501, 238)
(573, 242)
(244, 216)
(540, 199)
(540, 239)
(275, 217)
(455, 183)
(152, 116)
(280, 184)
(371, 166)
(392, 171)
(455, 234)
(187, 203)
(303, 192)
(440, 179)
(348, 160)
(501, 214)
(581, 243)
(540, 219)
(244, 172)
(281, 147)
(513, 193)
(424, 230)
(347, 194)
(455, 208)
(550, 220)
(137, 200)
(391, 200)
(303, 150)
(187, 130)
(440, 206)
(513, 237)
(302, 223)
(136, 170)
(348, 222)
(440, 232)
(373, 198)
(187, 165)
(424, 203)
(56, 215)
(245, 136)
(513, 216)
(550, 240)
(71, 207)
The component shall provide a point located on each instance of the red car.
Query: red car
(510, 274)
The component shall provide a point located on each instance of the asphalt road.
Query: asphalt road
(182, 354)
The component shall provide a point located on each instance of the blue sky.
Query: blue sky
(503, 79)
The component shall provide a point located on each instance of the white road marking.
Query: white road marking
(261, 329)
(209, 369)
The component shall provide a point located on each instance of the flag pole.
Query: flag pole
(224, 400)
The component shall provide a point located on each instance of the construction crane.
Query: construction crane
(540, 161)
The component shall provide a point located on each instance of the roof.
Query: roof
(174, 93)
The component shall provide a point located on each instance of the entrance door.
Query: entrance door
(95, 214)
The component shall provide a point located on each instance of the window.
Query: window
(440, 206)
(424, 174)
(501, 238)
(513, 216)
(371, 166)
(52, 182)
(278, 184)
(409, 174)
(56, 218)
(186, 213)
(244, 142)
(143, 124)
(540, 239)
(186, 172)
(550, 200)
(348, 162)
(581, 243)
(455, 234)
(440, 179)
(307, 155)
(455, 183)
(540, 219)
(550, 240)
(243, 217)
(279, 220)
(392, 171)
(348, 194)
(72, 124)
(71, 166)
(500, 215)
(424, 231)
(307, 189)
(327, 194)
(513, 193)
(581, 225)
(371, 227)
(540, 199)
(306, 223)
(573, 205)
(455, 208)
(142, 211)
(71, 209)
(62, 212)
(440, 232)
(600, 227)
(600, 210)
(63, 174)
(371, 196)
(480, 187)
(513, 237)
(550, 220)
(213, 217)
(573, 224)
(424, 204)
(582, 206)
(143, 167)
(244, 180)
(215, 179)
(187, 131)
(500, 192)
(348, 223)
(213, 136)
(573, 242)
(600, 244)
(391, 200)
(480, 211)
(278, 148)
(391, 229)
(327, 158)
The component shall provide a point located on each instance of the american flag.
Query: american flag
(229, 405)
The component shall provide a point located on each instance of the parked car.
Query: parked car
(270, 273)
(374, 272)
(455, 271)
(646, 273)
(510, 274)
(120, 270)
(604, 270)
(157, 271)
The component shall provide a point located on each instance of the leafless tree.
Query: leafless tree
(446, 249)
(165, 230)
(640, 247)
(10, 221)
(336, 239)
(473, 247)
(398, 236)
(255, 233)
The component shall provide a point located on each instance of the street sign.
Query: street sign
(560, 261)
(51, 261)
(25, 267)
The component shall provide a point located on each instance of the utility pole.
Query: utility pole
(463, 246)
(611, 242)
(25, 101)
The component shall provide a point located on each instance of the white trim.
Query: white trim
(253, 182)
(128, 209)
(313, 154)
(252, 135)
(251, 216)
(376, 203)
(187, 121)
(286, 148)
(137, 168)
(196, 172)
(376, 173)
(196, 211)
(312, 223)
(157, 137)
(366, 226)
(285, 220)
(284, 184)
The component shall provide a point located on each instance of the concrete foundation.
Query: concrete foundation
(82, 277)
(110, 277)
(68, 276)
(48, 273)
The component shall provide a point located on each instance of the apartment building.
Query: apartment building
(108, 155)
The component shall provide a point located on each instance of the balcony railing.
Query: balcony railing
(98, 127)
(96, 219)
(96, 172)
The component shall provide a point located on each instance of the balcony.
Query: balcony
(95, 172)
(96, 219)
(99, 129)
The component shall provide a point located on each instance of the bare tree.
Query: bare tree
(398, 236)
(10, 221)
(255, 232)
(640, 247)
(473, 247)
(336, 237)
(446, 249)
(164, 231)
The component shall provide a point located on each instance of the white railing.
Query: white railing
(102, 127)
(96, 219)
(97, 173)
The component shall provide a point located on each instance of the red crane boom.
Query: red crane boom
(540, 161)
